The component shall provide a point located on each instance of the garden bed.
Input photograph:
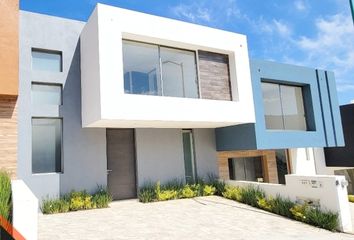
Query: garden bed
(252, 196)
(75, 201)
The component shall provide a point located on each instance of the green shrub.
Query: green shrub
(5, 196)
(188, 192)
(101, 199)
(208, 190)
(233, 193)
(282, 206)
(265, 204)
(80, 200)
(250, 196)
(198, 189)
(51, 206)
(163, 195)
(175, 184)
(299, 212)
(351, 198)
(217, 184)
(147, 193)
(322, 219)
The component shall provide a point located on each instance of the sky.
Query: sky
(312, 33)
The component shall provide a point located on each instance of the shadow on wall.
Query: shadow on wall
(7, 106)
(72, 89)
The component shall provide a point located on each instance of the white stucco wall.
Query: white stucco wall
(25, 210)
(159, 155)
(117, 109)
(302, 161)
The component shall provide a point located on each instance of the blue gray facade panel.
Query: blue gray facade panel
(321, 109)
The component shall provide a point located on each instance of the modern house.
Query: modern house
(341, 159)
(128, 98)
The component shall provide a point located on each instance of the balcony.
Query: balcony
(139, 70)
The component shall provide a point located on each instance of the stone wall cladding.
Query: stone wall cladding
(214, 76)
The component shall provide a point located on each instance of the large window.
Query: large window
(46, 145)
(283, 107)
(154, 70)
(46, 60)
(246, 169)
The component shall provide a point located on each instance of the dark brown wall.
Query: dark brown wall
(214, 76)
(9, 47)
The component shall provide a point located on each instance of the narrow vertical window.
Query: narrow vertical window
(189, 161)
(46, 145)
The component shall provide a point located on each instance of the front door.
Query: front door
(121, 163)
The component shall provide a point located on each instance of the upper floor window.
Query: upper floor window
(283, 107)
(46, 60)
(46, 94)
(154, 70)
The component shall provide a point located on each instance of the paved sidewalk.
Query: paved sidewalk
(200, 218)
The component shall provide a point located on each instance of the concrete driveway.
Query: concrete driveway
(199, 218)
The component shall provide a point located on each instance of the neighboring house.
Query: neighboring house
(9, 19)
(130, 98)
(341, 159)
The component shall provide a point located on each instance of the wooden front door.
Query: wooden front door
(121, 163)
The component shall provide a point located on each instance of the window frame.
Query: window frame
(61, 146)
(279, 84)
(48, 51)
(160, 73)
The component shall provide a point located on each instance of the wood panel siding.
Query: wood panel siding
(269, 163)
(8, 134)
(214, 77)
(9, 18)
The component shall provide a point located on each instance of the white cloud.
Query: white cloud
(274, 26)
(193, 13)
(332, 48)
(282, 28)
(212, 12)
(300, 5)
(352, 101)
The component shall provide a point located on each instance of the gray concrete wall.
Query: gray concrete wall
(84, 150)
(205, 152)
(159, 155)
